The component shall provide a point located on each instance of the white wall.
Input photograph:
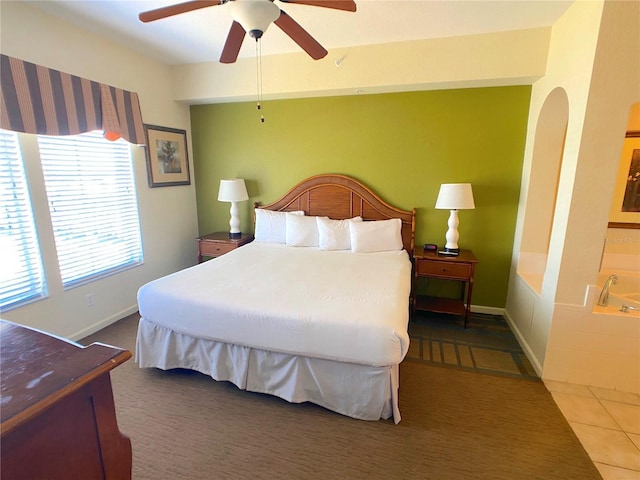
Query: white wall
(571, 53)
(168, 214)
(594, 58)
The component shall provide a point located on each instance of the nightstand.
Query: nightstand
(434, 265)
(217, 244)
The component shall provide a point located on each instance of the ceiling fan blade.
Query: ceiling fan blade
(172, 10)
(348, 5)
(299, 35)
(233, 43)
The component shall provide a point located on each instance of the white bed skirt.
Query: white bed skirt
(358, 391)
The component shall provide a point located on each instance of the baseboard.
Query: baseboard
(524, 345)
(90, 330)
(487, 310)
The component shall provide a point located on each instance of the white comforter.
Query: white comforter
(336, 305)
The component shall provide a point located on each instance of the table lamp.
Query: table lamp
(454, 197)
(233, 191)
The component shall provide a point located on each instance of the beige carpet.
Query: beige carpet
(456, 425)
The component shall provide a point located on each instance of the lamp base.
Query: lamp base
(453, 252)
(235, 234)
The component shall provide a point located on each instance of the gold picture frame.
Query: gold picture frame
(167, 156)
(625, 208)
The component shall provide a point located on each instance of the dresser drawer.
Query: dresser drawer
(212, 249)
(443, 269)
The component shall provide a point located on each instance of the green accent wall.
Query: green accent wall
(401, 145)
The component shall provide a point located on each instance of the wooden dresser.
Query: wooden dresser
(57, 409)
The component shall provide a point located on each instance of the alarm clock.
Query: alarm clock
(430, 247)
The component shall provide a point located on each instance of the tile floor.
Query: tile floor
(607, 422)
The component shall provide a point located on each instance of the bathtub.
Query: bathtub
(597, 346)
(625, 292)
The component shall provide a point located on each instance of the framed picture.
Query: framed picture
(625, 209)
(167, 158)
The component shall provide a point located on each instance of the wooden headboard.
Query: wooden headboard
(340, 197)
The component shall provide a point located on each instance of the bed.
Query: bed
(315, 309)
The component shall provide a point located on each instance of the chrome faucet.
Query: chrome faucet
(603, 300)
(626, 308)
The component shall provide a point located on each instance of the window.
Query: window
(94, 210)
(21, 272)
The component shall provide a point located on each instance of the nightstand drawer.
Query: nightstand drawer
(443, 269)
(216, 244)
(215, 249)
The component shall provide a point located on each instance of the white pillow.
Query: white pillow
(376, 236)
(271, 225)
(301, 231)
(335, 234)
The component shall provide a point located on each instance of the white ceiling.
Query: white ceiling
(199, 36)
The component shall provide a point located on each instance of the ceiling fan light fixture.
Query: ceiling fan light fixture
(255, 16)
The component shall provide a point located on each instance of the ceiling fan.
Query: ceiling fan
(254, 16)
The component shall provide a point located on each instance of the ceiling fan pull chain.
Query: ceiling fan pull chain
(259, 77)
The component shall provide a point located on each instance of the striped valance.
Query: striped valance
(40, 100)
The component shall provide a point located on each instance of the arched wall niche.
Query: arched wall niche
(543, 187)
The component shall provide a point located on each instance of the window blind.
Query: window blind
(21, 272)
(94, 210)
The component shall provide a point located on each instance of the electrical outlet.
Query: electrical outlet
(89, 299)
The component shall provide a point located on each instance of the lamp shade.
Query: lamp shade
(455, 196)
(232, 190)
(255, 17)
